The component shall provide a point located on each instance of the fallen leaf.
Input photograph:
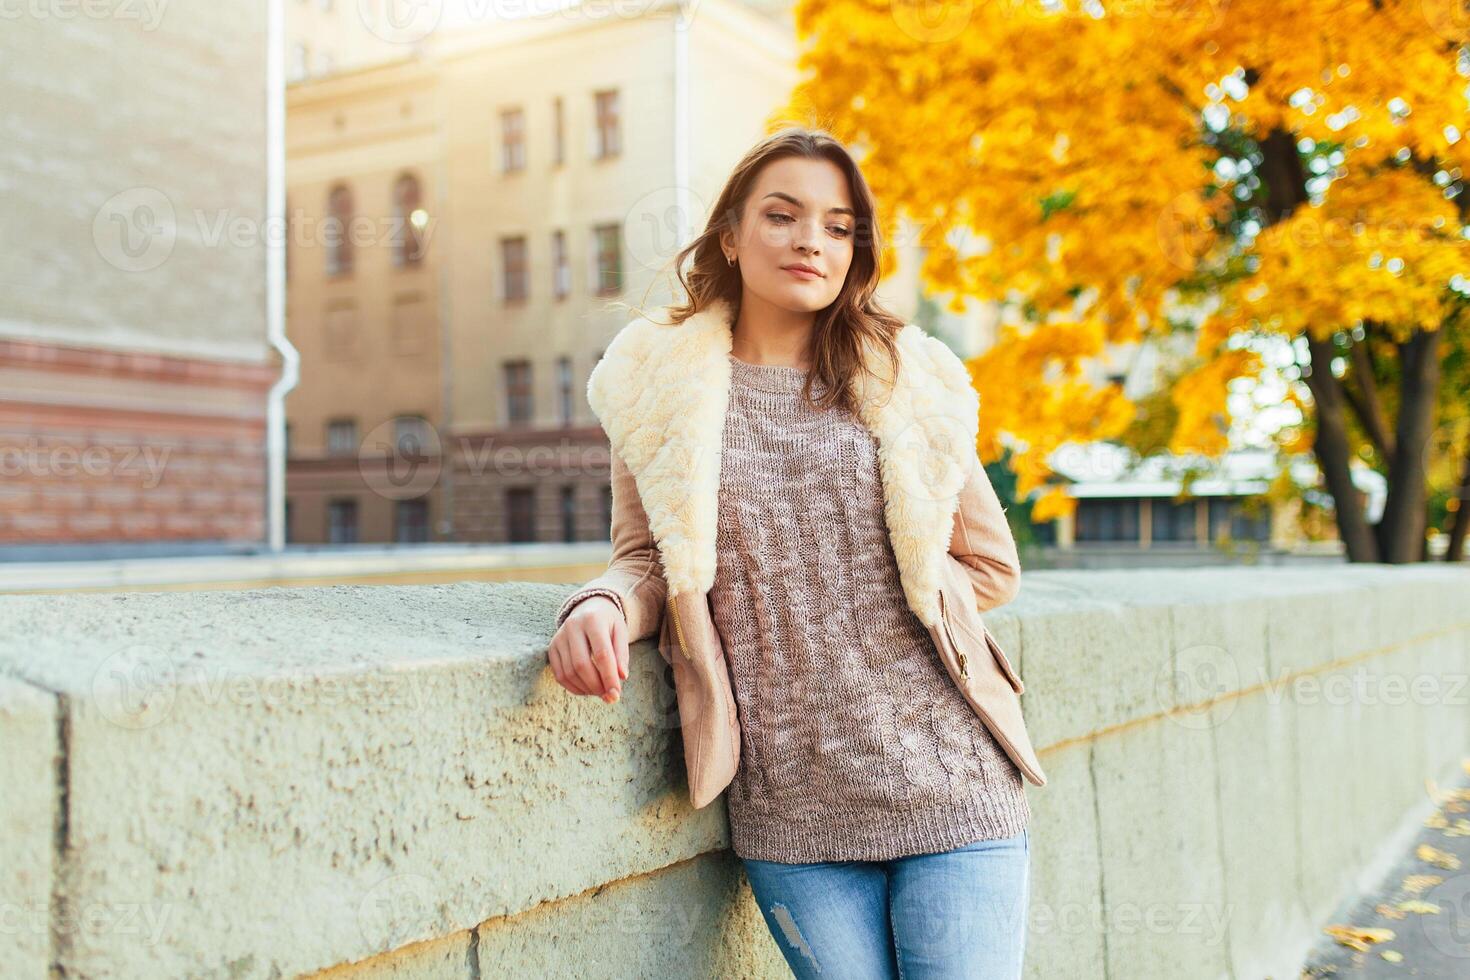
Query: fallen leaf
(1414, 884)
(1358, 937)
(1393, 955)
(1420, 906)
(1436, 857)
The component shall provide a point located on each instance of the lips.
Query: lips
(801, 272)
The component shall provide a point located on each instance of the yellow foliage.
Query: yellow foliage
(1051, 152)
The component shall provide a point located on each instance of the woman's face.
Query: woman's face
(799, 214)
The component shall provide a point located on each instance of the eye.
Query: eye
(778, 214)
(840, 231)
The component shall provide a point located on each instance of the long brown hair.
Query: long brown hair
(854, 322)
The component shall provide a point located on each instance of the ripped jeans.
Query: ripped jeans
(959, 913)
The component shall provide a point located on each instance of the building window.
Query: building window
(564, 389)
(411, 521)
(1044, 533)
(512, 140)
(411, 437)
(341, 437)
(561, 266)
(606, 241)
(569, 513)
(514, 270)
(518, 406)
(1173, 520)
(1107, 520)
(335, 231)
(342, 521)
(341, 339)
(409, 221)
(300, 57)
(608, 135)
(607, 507)
(1239, 519)
(520, 512)
(558, 133)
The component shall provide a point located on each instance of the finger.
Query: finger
(561, 665)
(620, 644)
(606, 663)
(581, 661)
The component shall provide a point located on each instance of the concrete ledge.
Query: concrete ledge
(29, 755)
(387, 781)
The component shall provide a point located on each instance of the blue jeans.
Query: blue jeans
(959, 913)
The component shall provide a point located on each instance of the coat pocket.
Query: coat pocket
(956, 623)
(1005, 663)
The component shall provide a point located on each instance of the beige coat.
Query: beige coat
(661, 394)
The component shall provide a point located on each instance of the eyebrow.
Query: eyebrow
(787, 197)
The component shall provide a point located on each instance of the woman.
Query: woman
(796, 484)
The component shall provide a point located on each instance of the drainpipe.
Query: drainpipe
(275, 275)
(683, 21)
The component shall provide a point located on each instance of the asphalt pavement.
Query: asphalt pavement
(1417, 922)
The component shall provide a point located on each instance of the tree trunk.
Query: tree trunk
(1401, 531)
(1460, 526)
(1331, 448)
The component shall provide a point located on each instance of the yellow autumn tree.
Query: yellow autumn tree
(1292, 168)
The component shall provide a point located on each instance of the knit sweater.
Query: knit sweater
(855, 742)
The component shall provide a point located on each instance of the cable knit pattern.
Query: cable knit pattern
(856, 745)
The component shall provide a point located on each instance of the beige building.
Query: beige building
(558, 162)
(324, 37)
(134, 360)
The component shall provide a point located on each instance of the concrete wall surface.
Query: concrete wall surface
(388, 782)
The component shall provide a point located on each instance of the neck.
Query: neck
(772, 335)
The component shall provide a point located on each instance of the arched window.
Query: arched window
(335, 231)
(410, 220)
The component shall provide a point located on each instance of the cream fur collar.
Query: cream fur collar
(661, 394)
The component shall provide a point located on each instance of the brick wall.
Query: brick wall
(104, 446)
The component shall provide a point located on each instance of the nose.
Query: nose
(807, 238)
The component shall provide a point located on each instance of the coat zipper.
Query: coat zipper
(679, 630)
(958, 653)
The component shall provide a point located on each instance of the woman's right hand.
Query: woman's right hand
(589, 653)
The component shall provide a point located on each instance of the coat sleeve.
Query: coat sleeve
(982, 541)
(634, 579)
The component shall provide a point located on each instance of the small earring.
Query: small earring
(730, 260)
